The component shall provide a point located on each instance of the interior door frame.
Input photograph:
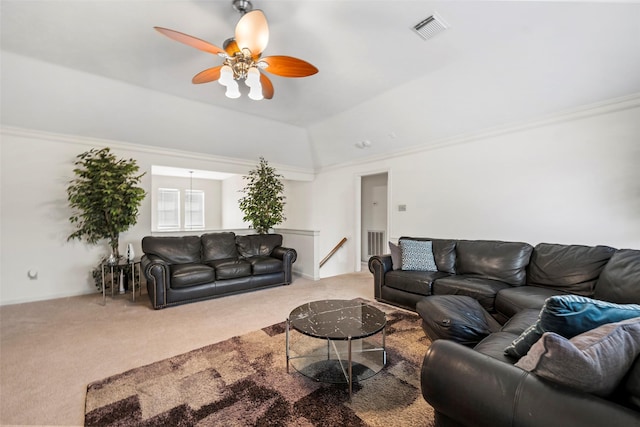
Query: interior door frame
(358, 212)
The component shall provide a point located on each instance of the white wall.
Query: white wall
(298, 206)
(231, 193)
(572, 179)
(36, 168)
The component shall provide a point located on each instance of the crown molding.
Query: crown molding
(289, 172)
(595, 109)
(304, 174)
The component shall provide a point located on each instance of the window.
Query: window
(194, 209)
(168, 209)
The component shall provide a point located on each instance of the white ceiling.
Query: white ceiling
(500, 62)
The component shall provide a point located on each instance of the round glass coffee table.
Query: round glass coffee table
(336, 341)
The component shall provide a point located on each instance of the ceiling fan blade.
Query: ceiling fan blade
(208, 75)
(252, 32)
(288, 66)
(189, 40)
(267, 86)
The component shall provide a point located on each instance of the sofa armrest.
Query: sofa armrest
(473, 389)
(288, 257)
(379, 265)
(156, 272)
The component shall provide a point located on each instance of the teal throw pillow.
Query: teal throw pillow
(417, 255)
(568, 316)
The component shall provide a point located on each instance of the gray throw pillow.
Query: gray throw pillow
(417, 255)
(396, 256)
(568, 316)
(594, 362)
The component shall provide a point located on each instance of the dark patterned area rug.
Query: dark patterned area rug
(243, 382)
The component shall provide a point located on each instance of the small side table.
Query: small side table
(115, 269)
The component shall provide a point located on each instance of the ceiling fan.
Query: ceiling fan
(242, 56)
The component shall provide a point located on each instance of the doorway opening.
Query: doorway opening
(374, 230)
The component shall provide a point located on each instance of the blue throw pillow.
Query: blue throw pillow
(568, 316)
(417, 255)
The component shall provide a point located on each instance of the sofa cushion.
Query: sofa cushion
(416, 282)
(455, 317)
(185, 275)
(496, 260)
(417, 255)
(484, 290)
(569, 268)
(620, 279)
(218, 246)
(444, 252)
(493, 346)
(264, 264)
(231, 268)
(174, 250)
(258, 244)
(521, 321)
(568, 316)
(511, 300)
(594, 361)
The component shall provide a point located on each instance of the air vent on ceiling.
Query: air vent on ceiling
(430, 26)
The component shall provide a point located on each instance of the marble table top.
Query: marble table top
(337, 319)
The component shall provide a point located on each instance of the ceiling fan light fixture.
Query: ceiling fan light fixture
(253, 82)
(242, 56)
(233, 91)
(226, 79)
(226, 75)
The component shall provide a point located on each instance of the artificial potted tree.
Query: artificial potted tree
(104, 196)
(263, 203)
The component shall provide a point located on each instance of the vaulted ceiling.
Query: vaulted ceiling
(498, 63)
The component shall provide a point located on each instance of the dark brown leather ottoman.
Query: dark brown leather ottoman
(457, 318)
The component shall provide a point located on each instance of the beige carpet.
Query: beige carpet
(51, 350)
(243, 382)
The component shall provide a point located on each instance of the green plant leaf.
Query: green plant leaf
(104, 196)
(263, 203)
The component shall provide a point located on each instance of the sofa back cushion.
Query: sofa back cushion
(444, 252)
(258, 244)
(217, 246)
(619, 281)
(569, 268)
(492, 259)
(174, 250)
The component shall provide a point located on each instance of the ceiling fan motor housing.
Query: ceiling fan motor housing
(242, 6)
